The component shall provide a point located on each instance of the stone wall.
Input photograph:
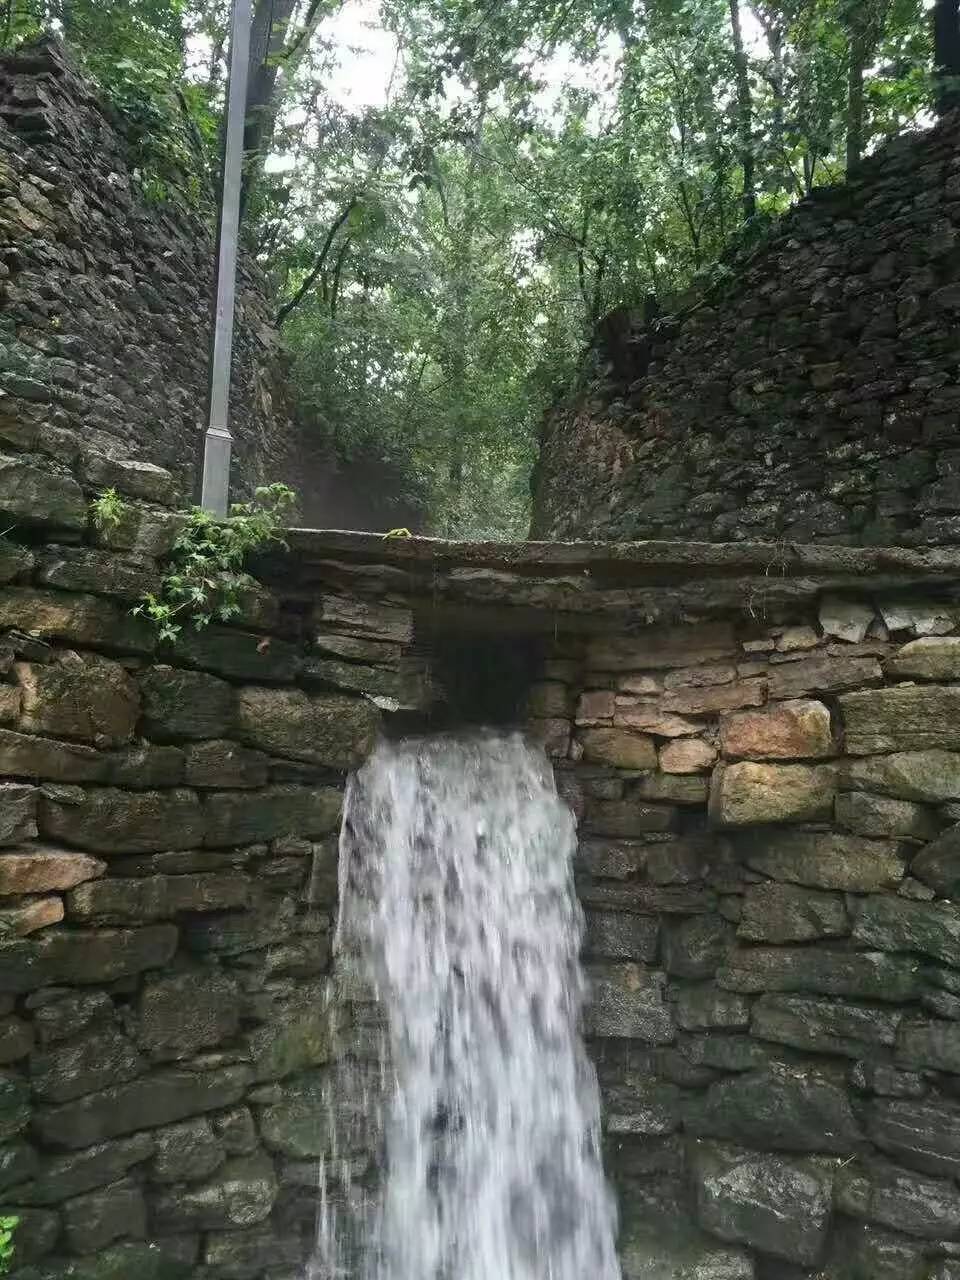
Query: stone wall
(105, 295)
(769, 855)
(768, 792)
(811, 396)
(168, 876)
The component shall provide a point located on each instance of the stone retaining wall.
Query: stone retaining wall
(770, 849)
(811, 394)
(106, 294)
(769, 801)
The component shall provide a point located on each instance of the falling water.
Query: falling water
(457, 903)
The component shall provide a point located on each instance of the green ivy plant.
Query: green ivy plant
(205, 579)
(107, 510)
(7, 1227)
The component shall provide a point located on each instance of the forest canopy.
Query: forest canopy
(443, 241)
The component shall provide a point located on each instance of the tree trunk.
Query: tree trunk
(858, 59)
(744, 114)
(946, 53)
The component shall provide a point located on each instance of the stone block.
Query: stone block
(687, 755)
(848, 620)
(236, 1131)
(74, 1067)
(117, 901)
(929, 658)
(681, 861)
(144, 767)
(696, 947)
(238, 655)
(83, 957)
(869, 815)
(240, 1194)
(410, 690)
(235, 932)
(60, 1178)
(33, 492)
(247, 817)
(672, 788)
(186, 1152)
(105, 573)
(382, 653)
(18, 815)
(919, 617)
(67, 1013)
(329, 729)
(15, 561)
(748, 794)
(596, 705)
(38, 1231)
(129, 476)
(549, 699)
(365, 618)
(16, 1040)
(647, 715)
(253, 1251)
(884, 1193)
(142, 530)
(783, 1107)
(219, 763)
(825, 860)
(108, 820)
(791, 730)
(75, 618)
(627, 1002)
(618, 935)
(78, 696)
(185, 1012)
(552, 735)
(643, 899)
(23, 755)
(922, 1134)
(898, 924)
(787, 913)
(298, 1034)
(710, 701)
(869, 975)
(146, 1103)
(618, 747)
(640, 1105)
(626, 818)
(706, 1008)
(18, 1164)
(823, 673)
(185, 704)
(96, 1219)
(662, 648)
(824, 1026)
(933, 1045)
(297, 1123)
(14, 1105)
(171, 1258)
(861, 1249)
(932, 776)
(938, 865)
(611, 859)
(778, 1205)
(30, 915)
(904, 718)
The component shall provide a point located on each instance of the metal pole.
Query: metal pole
(215, 488)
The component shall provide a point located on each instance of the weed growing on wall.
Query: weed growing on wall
(106, 510)
(7, 1227)
(205, 578)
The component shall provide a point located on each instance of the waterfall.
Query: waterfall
(458, 913)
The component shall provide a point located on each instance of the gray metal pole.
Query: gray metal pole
(215, 488)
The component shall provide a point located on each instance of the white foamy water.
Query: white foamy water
(457, 904)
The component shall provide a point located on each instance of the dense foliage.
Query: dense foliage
(441, 257)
